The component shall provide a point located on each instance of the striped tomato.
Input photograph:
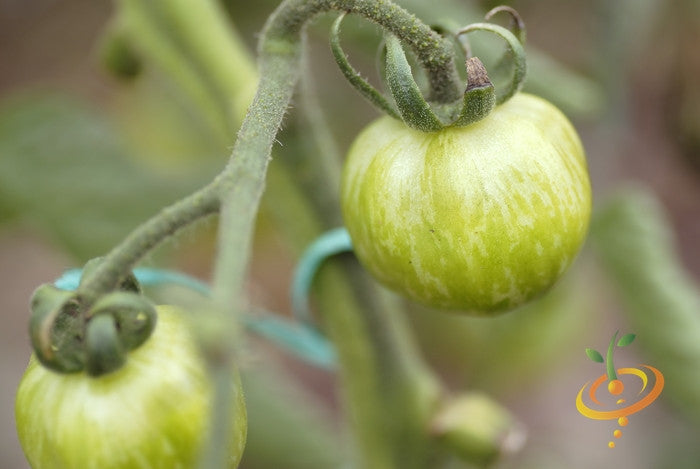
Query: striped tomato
(480, 218)
(153, 412)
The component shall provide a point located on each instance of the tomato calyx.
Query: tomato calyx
(70, 334)
(409, 104)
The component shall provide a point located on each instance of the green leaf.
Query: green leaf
(626, 340)
(65, 171)
(594, 355)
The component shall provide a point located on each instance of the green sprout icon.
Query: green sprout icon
(615, 386)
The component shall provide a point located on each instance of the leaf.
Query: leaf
(626, 340)
(594, 355)
(65, 170)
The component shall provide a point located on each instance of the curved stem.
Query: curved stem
(516, 51)
(125, 255)
(240, 185)
(236, 193)
(517, 22)
(434, 53)
(280, 55)
(353, 77)
(240, 189)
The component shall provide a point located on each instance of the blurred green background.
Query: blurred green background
(85, 157)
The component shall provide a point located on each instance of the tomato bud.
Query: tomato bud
(152, 412)
(480, 218)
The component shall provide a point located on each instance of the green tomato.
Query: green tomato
(151, 413)
(480, 218)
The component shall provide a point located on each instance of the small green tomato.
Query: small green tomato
(151, 413)
(480, 218)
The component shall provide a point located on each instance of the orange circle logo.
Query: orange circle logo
(616, 387)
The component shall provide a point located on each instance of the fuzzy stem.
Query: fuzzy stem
(434, 53)
(236, 193)
(241, 183)
(122, 258)
(280, 59)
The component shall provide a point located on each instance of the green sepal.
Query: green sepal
(414, 109)
(515, 54)
(135, 316)
(594, 355)
(479, 97)
(353, 76)
(128, 283)
(501, 71)
(517, 22)
(104, 349)
(626, 339)
(56, 329)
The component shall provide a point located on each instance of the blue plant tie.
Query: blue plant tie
(329, 244)
(302, 340)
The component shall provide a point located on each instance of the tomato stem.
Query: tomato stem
(117, 264)
(434, 53)
(358, 348)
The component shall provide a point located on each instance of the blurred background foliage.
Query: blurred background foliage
(86, 156)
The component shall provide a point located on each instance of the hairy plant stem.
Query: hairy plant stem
(434, 53)
(378, 360)
(122, 258)
(280, 59)
(279, 64)
(243, 177)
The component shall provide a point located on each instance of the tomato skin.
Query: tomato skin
(480, 218)
(151, 413)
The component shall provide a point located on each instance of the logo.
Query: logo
(612, 405)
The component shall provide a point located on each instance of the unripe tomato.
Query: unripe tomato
(478, 218)
(151, 413)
